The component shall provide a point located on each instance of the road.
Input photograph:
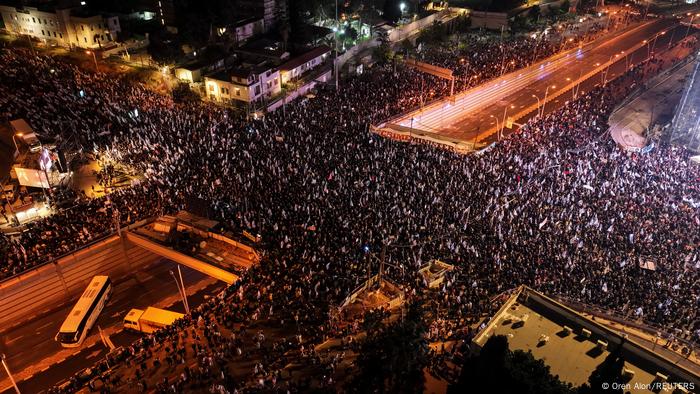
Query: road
(38, 362)
(475, 114)
(655, 107)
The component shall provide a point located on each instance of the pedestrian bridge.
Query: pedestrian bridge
(187, 240)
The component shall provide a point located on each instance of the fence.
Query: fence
(623, 320)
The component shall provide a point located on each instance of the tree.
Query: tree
(283, 28)
(496, 369)
(464, 23)
(564, 6)
(392, 10)
(164, 50)
(406, 45)
(351, 33)
(183, 94)
(392, 359)
(383, 53)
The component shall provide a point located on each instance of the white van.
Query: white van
(22, 129)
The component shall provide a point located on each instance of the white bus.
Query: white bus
(85, 312)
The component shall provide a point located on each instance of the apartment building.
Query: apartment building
(70, 27)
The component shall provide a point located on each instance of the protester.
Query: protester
(556, 206)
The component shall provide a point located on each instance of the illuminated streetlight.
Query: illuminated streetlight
(538, 103)
(12, 379)
(503, 123)
(93, 58)
(690, 24)
(15, 141)
(544, 102)
(497, 126)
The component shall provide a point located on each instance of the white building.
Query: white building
(246, 83)
(70, 27)
(300, 65)
(272, 11)
(240, 31)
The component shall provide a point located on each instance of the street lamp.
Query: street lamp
(503, 123)
(544, 101)
(538, 104)
(15, 141)
(181, 290)
(670, 42)
(93, 58)
(495, 117)
(655, 38)
(4, 364)
(690, 24)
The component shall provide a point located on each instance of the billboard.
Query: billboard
(31, 177)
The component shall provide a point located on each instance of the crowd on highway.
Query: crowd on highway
(91, 120)
(476, 58)
(556, 206)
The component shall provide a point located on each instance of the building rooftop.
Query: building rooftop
(573, 345)
(305, 57)
(266, 48)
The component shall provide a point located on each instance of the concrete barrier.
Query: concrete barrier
(47, 287)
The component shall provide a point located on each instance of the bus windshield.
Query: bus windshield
(67, 337)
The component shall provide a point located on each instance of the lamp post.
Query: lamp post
(4, 364)
(495, 117)
(670, 42)
(544, 101)
(503, 123)
(335, 63)
(538, 104)
(690, 24)
(93, 58)
(181, 290)
(655, 38)
(15, 142)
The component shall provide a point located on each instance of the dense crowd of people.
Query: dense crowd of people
(555, 207)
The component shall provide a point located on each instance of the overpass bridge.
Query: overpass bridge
(188, 240)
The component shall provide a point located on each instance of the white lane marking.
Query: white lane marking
(9, 341)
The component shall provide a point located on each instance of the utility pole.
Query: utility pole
(184, 289)
(93, 58)
(382, 258)
(4, 364)
(335, 63)
(180, 290)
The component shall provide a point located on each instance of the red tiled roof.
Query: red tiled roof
(301, 59)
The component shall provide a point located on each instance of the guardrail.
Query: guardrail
(96, 240)
(620, 318)
(586, 46)
(566, 89)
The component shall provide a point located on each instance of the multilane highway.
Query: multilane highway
(477, 114)
(38, 362)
